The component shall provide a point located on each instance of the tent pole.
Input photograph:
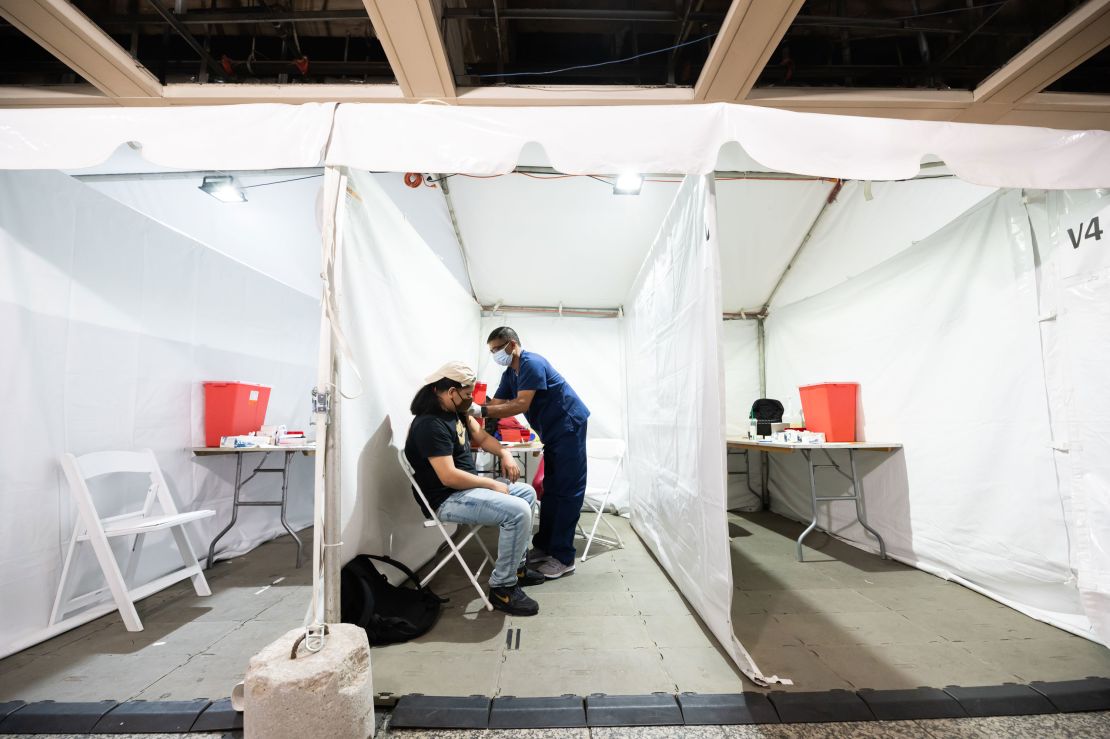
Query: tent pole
(761, 342)
(441, 180)
(833, 193)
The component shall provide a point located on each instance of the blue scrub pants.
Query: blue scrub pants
(564, 489)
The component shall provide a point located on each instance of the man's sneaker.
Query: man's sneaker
(552, 568)
(528, 576)
(535, 554)
(513, 601)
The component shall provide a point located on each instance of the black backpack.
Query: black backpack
(388, 613)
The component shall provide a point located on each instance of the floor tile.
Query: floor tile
(549, 633)
(982, 624)
(897, 666)
(702, 670)
(678, 631)
(884, 627)
(823, 600)
(1063, 658)
(435, 673)
(585, 671)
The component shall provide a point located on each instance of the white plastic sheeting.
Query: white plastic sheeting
(866, 225)
(944, 339)
(687, 139)
(1080, 230)
(762, 223)
(111, 322)
(524, 250)
(403, 315)
(676, 451)
(740, 349)
(260, 136)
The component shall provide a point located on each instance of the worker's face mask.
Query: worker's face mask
(502, 357)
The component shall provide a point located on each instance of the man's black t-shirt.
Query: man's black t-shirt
(437, 435)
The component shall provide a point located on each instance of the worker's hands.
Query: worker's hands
(500, 487)
(510, 467)
(475, 410)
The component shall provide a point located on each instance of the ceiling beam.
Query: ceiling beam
(54, 96)
(409, 34)
(65, 32)
(750, 32)
(1057, 51)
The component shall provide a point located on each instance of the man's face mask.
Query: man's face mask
(463, 400)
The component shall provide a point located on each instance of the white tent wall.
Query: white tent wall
(762, 221)
(402, 314)
(870, 223)
(541, 241)
(740, 348)
(587, 353)
(944, 340)
(112, 321)
(676, 456)
(1077, 246)
(286, 248)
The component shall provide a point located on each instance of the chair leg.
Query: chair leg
(114, 577)
(133, 559)
(62, 596)
(469, 574)
(189, 559)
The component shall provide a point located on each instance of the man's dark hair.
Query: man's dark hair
(425, 402)
(503, 334)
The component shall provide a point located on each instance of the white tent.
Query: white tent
(971, 317)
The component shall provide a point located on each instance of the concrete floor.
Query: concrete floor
(618, 625)
(190, 647)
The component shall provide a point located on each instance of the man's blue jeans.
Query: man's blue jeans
(512, 512)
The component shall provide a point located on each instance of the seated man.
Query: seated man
(438, 448)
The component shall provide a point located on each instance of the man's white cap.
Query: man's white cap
(460, 372)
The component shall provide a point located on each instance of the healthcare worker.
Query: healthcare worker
(530, 385)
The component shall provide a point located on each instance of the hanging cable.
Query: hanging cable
(598, 64)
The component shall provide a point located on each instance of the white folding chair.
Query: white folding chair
(434, 522)
(137, 523)
(604, 458)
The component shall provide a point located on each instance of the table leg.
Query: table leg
(284, 499)
(234, 509)
(813, 501)
(860, 515)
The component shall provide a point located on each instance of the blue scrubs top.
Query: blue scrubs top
(555, 406)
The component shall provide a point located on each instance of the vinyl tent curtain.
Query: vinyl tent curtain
(402, 315)
(740, 350)
(112, 322)
(676, 451)
(1076, 223)
(944, 340)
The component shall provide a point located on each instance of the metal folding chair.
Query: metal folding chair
(604, 458)
(454, 547)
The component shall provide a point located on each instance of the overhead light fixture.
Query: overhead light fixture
(223, 188)
(628, 184)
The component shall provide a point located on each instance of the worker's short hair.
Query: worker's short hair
(504, 333)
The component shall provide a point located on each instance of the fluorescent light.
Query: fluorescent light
(628, 184)
(223, 188)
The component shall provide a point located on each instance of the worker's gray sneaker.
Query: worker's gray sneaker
(552, 568)
(535, 554)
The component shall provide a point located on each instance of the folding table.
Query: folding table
(289, 451)
(807, 452)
